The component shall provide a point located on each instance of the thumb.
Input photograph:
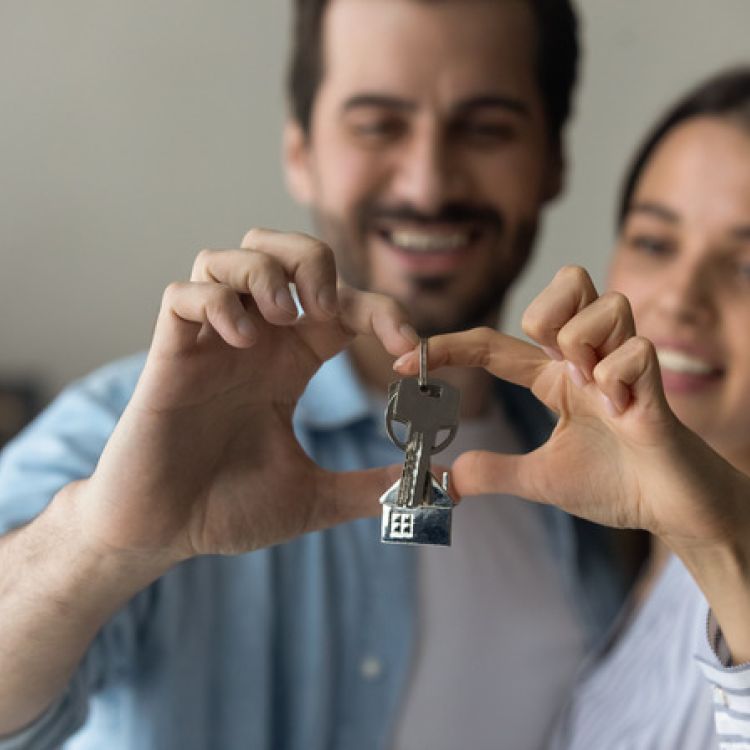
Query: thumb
(485, 473)
(346, 496)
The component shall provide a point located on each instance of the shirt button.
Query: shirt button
(720, 696)
(371, 668)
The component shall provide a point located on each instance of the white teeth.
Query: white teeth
(425, 241)
(680, 362)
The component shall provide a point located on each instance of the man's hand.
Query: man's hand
(204, 459)
(618, 455)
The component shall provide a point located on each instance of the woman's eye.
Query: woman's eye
(650, 244)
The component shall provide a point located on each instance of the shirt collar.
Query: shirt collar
(334, 397)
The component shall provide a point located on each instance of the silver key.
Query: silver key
(417, 508)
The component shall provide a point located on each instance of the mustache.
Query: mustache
(450, 213)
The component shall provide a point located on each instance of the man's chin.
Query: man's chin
(428, 321)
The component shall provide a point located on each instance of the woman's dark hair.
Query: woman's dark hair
(725, 95)
(557, 59)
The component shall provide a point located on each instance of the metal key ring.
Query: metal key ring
(422, 379)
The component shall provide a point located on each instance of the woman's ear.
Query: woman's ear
(296, 158)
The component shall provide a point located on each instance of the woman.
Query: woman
(654, 429)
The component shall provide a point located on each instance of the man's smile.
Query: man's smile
(431, 248)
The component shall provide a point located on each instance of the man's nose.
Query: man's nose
(428, 175)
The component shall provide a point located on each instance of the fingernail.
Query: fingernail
(575, 374)
(553, 353)
(409, 334)
(401, 360)
(246, 328)
(283, 299)
(328, 300)
(609, 405)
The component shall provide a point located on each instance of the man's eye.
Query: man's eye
(742, 269)
(486, 132)
(375, 130)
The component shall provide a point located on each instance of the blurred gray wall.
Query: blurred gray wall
(132, 134)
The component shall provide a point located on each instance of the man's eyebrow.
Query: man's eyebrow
(493, 101)
(654, 209)
(377, 100)
(742, 232)
(485, 101)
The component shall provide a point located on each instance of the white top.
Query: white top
(503, 680)
(658, 684)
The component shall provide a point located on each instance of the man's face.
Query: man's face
(427, 159)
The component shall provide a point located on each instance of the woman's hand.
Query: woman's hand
(618, 455)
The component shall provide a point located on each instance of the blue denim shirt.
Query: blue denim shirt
(273, 649)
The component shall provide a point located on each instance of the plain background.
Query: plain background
(133, 134)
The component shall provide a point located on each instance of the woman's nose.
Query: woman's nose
(688, 293)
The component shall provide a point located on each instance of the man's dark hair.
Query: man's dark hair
(557, 56)
(725, 95)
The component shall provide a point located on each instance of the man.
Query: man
(426, 137)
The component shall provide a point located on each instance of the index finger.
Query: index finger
(309, 263)
(504, 356)
(569, 292)
(363, 313)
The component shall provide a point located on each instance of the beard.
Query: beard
(435, 304)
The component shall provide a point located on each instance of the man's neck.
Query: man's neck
(375, 367)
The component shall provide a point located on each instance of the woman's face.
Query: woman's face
(683, 260)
